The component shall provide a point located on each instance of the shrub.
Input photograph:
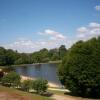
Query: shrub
(27, 85)
(11, 79)
(40, 85)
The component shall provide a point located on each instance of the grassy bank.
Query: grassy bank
(30, 96)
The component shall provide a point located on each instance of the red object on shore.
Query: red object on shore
(1, 74)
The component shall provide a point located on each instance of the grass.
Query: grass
(57, 92)
(23, 94)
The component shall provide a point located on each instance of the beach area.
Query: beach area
(23, 77)
(50, 84)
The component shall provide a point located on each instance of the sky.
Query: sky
(30, 25)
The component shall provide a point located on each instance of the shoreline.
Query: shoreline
(50, 84)
(23, 77)
(50, 62)
(22, 65)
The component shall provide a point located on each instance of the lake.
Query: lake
(44, 71)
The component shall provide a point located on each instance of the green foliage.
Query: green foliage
(23, 59)
(80, 69)
(40, 85)
(11, 79)
(9, 57)
(54, 54)
(26, 85)
(40, 56)
(62, 51)
(45, 55)
(2, 56)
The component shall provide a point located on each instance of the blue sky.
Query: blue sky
(29, 25)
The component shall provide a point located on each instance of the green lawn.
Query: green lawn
(24, 94)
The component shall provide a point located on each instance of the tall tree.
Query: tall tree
(62, 51)
(80, 69)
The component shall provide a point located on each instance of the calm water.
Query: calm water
(45, 71)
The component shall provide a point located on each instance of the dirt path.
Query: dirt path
(60, 97)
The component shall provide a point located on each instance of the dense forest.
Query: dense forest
(11, 57)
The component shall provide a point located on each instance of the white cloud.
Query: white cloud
(95, 32)
(91, 30)
(81, 35)
(82, 30)
(60, 36)
(94, 25)
(97, 8)
(22, 45)
(54, 40)
(30, 46)
(53, 34)
(50, 32)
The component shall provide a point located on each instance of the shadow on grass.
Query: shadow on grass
(77, 95)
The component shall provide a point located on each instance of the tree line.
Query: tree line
(11, 57)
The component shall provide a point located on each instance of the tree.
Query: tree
(62, 51)
(2, 56)
(54, 54)
(7, 57)
(80, 69)
(11, 79)
(40, 56)
(24, 59)
(11, 56)
(44, 55)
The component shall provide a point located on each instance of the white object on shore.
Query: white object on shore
(65, 90)
(0, 69)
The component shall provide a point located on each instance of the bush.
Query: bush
(80, 69)
(40, 85)
(11, 79)
(27, 85)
